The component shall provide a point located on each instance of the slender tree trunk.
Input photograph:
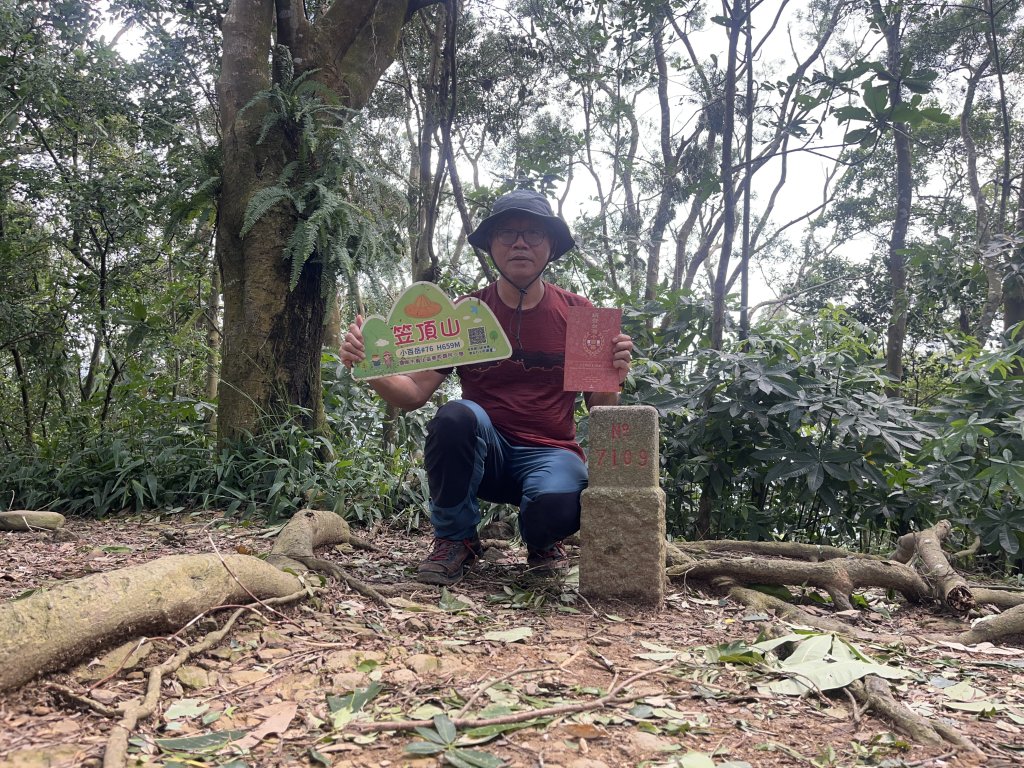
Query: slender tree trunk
(736, 17)
(213, 338)
(26, 403)
(748, 152)
(718, 318)
(990, 262)
(1013, 290)
(424, 260)
(897, 262)
(666, 208)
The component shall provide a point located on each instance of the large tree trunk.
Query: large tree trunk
(273, 335)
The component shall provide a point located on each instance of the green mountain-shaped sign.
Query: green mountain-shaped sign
(425, 330)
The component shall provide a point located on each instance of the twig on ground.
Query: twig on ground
(612, 697)
(87, 701)
(120, 666)
(116, 753)
(216, 551)
(491, 683)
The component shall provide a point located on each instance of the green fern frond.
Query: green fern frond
(297, 251)
(272, 118)
(261, 202)
(261, 96)
(193, 206)
(288, 173)
(305, 86)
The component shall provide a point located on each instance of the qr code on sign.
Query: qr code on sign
(477, 336)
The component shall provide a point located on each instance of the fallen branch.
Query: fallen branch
(1000, 598)
(875, 695)
(612, 697)
(116, 752)
(811, 553)
(839, 578)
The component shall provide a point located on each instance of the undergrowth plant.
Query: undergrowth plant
(973, 468)
(166, 458)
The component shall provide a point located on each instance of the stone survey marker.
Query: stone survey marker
(622, 529)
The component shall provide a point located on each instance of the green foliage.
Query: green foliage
(333, 225)
(442, 740)
(162, 456)
(792, 434)
(973, 469)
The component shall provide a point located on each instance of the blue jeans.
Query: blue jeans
(468, 459)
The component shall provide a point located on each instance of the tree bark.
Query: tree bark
(53, 628)
(273, 335)
(897, 261)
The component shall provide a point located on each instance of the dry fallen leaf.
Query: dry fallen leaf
(278, 718)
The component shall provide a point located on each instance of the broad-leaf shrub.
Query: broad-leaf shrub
(790, 433)
(973, 468)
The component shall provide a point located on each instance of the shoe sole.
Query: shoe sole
(438, 579)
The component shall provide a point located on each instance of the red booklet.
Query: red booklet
(588, 349)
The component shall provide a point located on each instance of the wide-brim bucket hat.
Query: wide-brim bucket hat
(525, 201)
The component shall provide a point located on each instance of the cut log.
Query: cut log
(945, 583)
(56, 627)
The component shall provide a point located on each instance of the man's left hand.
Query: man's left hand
(622, 355)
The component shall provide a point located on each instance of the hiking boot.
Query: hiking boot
(550, 560)
(449, 561)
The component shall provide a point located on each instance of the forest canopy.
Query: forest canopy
(810, 212)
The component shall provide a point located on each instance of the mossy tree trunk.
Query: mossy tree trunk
(273, 334)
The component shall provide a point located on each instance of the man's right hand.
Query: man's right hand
(352, 350)
(407, 391)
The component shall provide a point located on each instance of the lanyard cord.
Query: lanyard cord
(517, 318)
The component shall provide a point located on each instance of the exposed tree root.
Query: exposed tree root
(839, 578)
(1000, 598)
(839, 573)
(56, 627)
(116, 753)
(675, 556)
(762, 603)
(812, 553)
(994, 628)
(945, 583)
(30, 520)
(312, 528)
(874, 694)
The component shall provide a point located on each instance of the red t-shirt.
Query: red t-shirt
(523, 394)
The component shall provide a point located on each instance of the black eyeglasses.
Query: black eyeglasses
(531, 237)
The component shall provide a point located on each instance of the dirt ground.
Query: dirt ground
(278, 690)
